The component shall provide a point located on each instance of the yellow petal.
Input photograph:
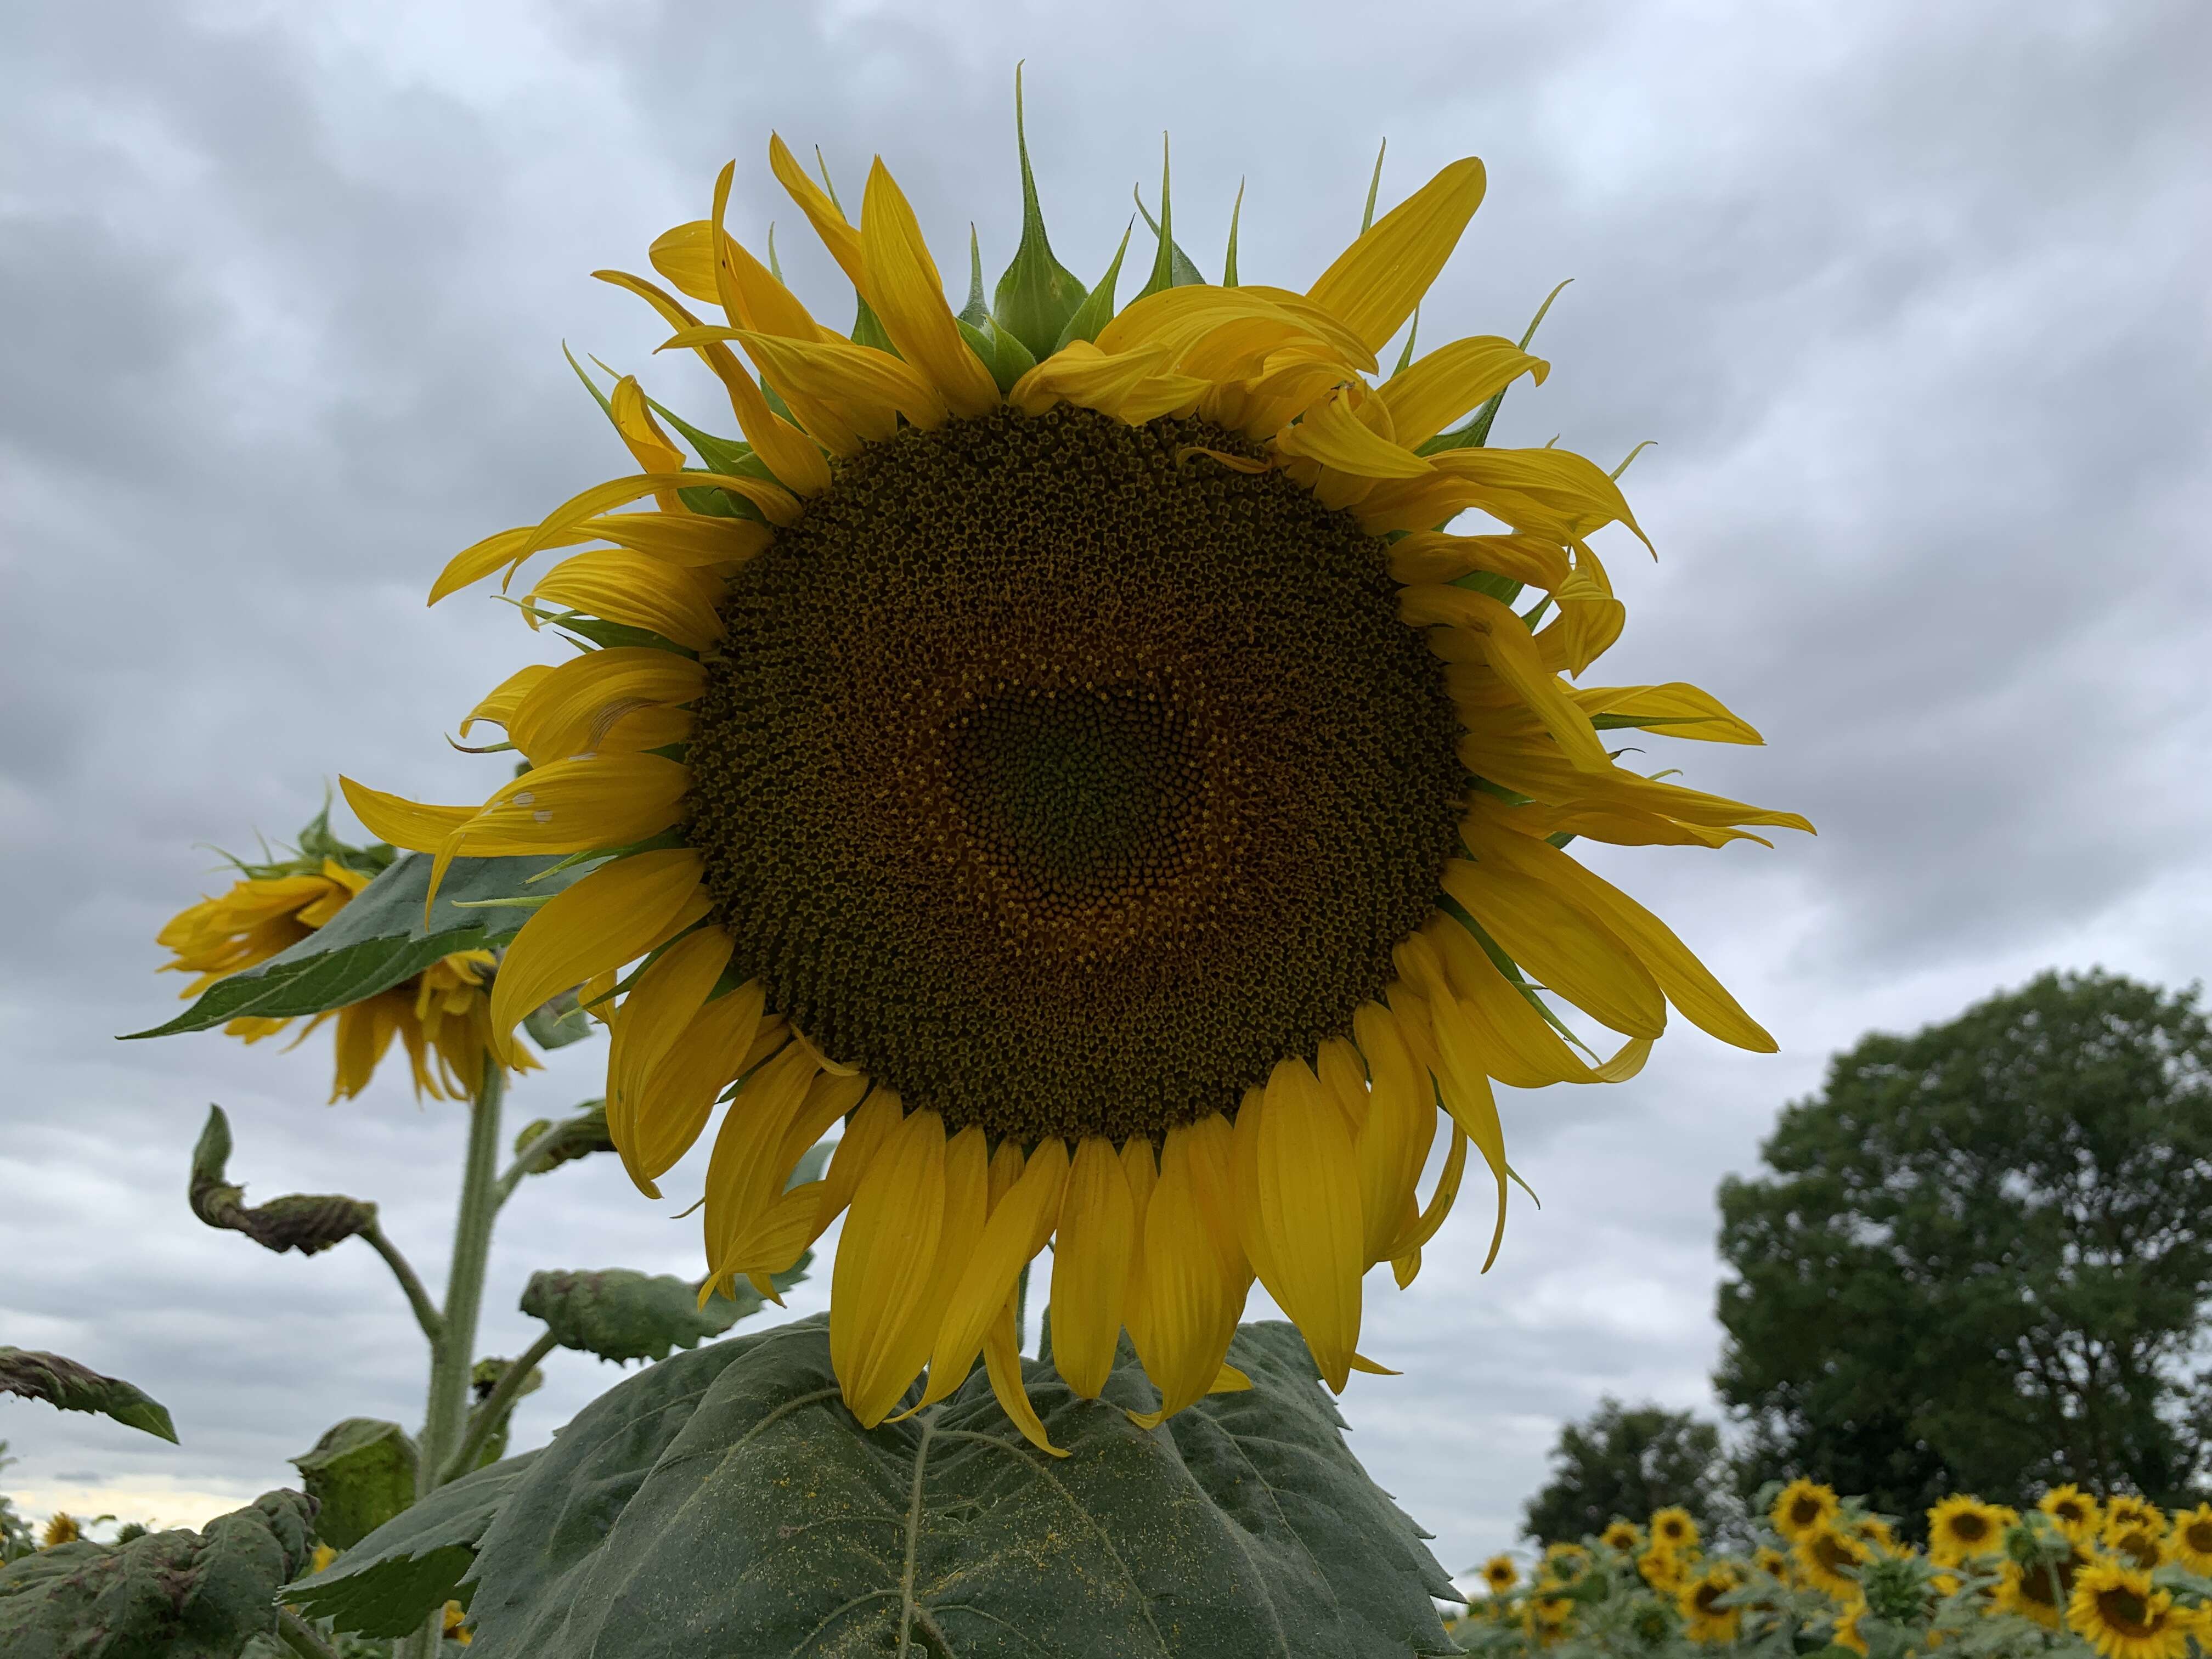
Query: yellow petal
(884, 1264)
(1091, 1265)
(1426, 1224)
(1453, 380)
(1374, 284)
(743, 1179)
(595, 702)
(1432, 556)
(1141, 1169)
(907, 297)
(1561, 945)
(1551, 492)
(1016, 1231)
(870, 1130)
(790, 454)
(637, 592)
(1676, 710)
(690, 539)
(648, 445)
(1194, 1287)
(504, 550)
(1005, 1363)
(1512, 654)
(1686, 982)
(498, 705)
(1520, 1047)
(868, 389)
(1393, 1143)
(1308, 1200)
(674, 1101)
(1333, 434)
(1129, 386)
(661, 1002)
(839, 237)
(575, 807)
(404, 823)
(612, 916)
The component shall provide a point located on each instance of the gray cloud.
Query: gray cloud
(1912, 300)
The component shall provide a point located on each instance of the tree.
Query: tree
(1627, 1461)
(1981, 1255)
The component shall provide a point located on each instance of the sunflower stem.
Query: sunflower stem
(497, 1406)
(426, 1311)
(452, 1352)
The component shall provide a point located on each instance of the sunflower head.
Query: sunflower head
(1804, 1506)
(1703, 1621)
(2136, 1532)
(1831, 1557)
(1499, 1574)
(1624, 1535)
(441, 1016)
(1960, 1528)
(1663, 1569)
(1675, 1528)
(1081, 748)
(2074, 1512)
(2039, 1590)
(2114, 1607)
(1845, 1633)
(2190, 1542)
(1772, 1561)
(61, 1528)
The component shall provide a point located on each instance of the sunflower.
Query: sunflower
(1546, 1619)
(2190, 1543)
(2074, 1512)
(1074, 736)
(1846, 1631)
(2136, 1530)
(1960, 1528)
(1499, 1574)
(2037, 1590)
(1804, 1507)
(1702, 1620)
(2114, 1608)
(1666, 1570)
(1564, 1564)
(1623, 1536)
(1675, 1528)
(1830, 1558)
(1770, 1561)
(61, 1528)
(441, 1014)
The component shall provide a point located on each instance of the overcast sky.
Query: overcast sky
(1911, 297)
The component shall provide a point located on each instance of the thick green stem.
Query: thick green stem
(453, 1356)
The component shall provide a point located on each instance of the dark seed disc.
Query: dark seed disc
(1066, 787)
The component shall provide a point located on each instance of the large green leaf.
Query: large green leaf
(380, 939)
(165, 1595)
(622, 1316)
(411, 1566)
(725, 1502)
(361, 1473)
(75, 1388)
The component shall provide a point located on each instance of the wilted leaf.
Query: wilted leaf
(362, 1472)
(75, 1388)
(305, 1222)
(570, 1138)
(559, 1022)
(166, 1596)
(397, 1576)
(726, 1502)
(621, 1315)
(379, 938)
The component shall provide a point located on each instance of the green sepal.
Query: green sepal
(621, 1315)
(177, 1595)
(1036, 296)
(360, 1474)
(1098, 308)
(67, 1386)
(1229, 259)
(995, 348)
(1171, 266)
(1475, 432)
(1374, 185)
(1503, 589)
(601, 632)
(413, 1564)
(378, 939)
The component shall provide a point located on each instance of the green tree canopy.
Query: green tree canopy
(1982, 1256)
(1626, 1461)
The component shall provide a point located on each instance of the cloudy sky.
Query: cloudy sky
(1912, 298)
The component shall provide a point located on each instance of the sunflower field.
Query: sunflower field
(2114, 1575)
